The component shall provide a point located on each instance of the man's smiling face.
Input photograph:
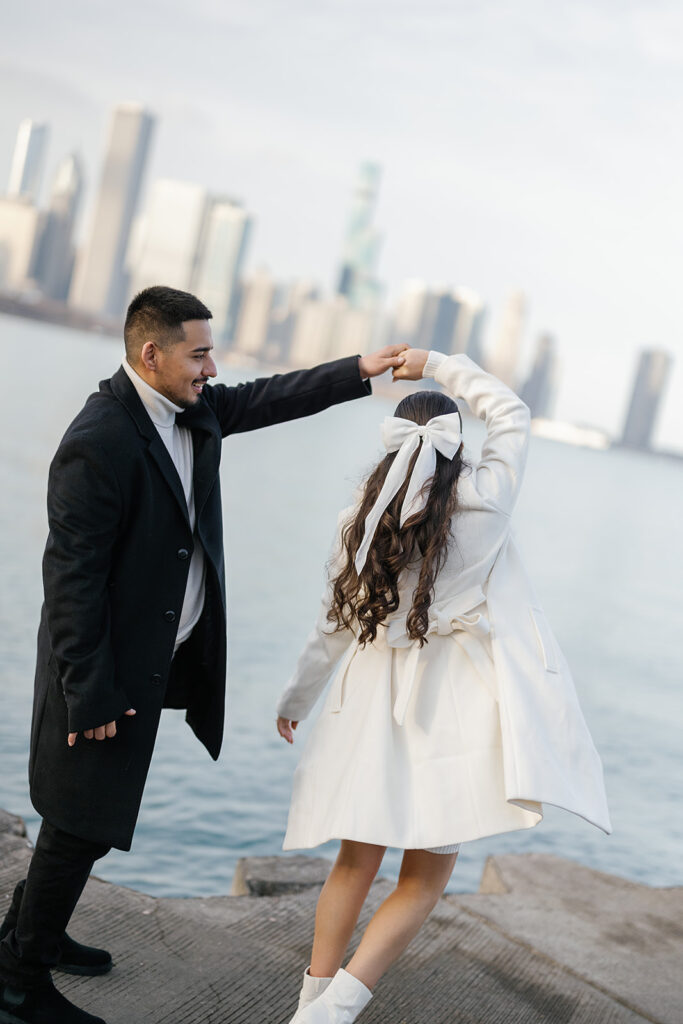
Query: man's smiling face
(180, 371)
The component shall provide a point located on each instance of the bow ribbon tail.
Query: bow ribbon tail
(391, 486)
(423, 470)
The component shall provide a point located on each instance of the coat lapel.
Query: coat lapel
(128, 396)
(206, 442)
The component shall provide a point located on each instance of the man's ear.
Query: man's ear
(148, 356)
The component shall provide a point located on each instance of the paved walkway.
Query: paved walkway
(545, 942)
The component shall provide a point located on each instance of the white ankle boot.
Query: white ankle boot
(340, 1003)
(310, 990)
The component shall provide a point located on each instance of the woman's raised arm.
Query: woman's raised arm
(499, 472)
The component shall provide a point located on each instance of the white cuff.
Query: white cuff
(434, 361)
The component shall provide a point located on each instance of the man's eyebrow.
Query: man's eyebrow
(207, 348)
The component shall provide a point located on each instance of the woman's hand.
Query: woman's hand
(285, 727)
(414, 360)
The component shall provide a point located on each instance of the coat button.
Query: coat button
(182, 554)
(156, 678)
(169, 616)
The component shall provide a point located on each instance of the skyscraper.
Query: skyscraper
(101, 280)
(652, 374)
(167, 247)
(19, 226)
(55, 249)
(357, 280)
(409, 313)
(439, 315)
(221, 254)
(258, 295)
(469, 323)
(539, 388)
(285, 317)
(506, 355)
(26, 172)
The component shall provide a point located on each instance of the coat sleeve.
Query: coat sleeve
(286, 396)
(84, 515)
(499, 472)
(321, 653)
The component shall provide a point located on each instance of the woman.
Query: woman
(452, 714)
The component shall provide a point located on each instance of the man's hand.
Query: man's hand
(101, 732)
(413, 364)
(387, 358)
(284, 727)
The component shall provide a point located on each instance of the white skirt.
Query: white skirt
(427, 776)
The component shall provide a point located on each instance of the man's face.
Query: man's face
(182, 371)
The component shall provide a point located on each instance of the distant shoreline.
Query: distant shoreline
(48, 311)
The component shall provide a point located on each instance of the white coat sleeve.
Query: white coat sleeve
(498, 475)
(320, 655)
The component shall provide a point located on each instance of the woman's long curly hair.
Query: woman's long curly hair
(364, 602)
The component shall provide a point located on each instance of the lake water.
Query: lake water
(601, 533)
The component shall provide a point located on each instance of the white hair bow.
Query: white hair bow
(440, 434)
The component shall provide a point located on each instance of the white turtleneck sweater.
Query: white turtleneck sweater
(178, 441)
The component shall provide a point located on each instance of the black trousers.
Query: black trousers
(56, 878)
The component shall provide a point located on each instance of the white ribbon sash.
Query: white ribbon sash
(457, 618)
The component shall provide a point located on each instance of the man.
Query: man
(134, 611)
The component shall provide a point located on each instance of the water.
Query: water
(601, 536)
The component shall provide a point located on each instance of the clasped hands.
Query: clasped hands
(405, 363)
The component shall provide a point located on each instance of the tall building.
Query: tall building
(357, 275)
(253, 320)
(220, 259)
(284, 319)
(167, 247)
(55, 249)
(439, 316)
(448, 320)
(101, 279)
(508, 347)
(28, 161)
(317, 329)
(469, 323)
(19, 226)
(409, 313)
(540, 386)
(652, 374)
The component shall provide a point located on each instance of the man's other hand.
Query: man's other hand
(413, 364)
(387, 358)
(100, 732)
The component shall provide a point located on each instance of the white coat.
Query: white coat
(469, 735)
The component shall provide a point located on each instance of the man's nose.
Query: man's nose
(210, 367)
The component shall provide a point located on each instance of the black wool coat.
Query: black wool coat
(114, 573)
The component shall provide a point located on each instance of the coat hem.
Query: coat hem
(466, 837)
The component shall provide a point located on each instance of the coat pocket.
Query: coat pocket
(546, 640)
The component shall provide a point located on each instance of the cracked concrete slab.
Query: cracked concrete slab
(239, 959)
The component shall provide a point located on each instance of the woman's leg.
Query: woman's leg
(397, 921)
(340, 903)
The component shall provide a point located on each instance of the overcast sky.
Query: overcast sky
(524, 144)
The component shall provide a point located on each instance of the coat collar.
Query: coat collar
(199, 419)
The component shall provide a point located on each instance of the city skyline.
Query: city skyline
(194, 241)
(543, 158)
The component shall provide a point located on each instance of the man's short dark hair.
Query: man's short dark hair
(157, 314)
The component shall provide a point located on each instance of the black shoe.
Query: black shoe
(43, 1005)
(75, 958)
